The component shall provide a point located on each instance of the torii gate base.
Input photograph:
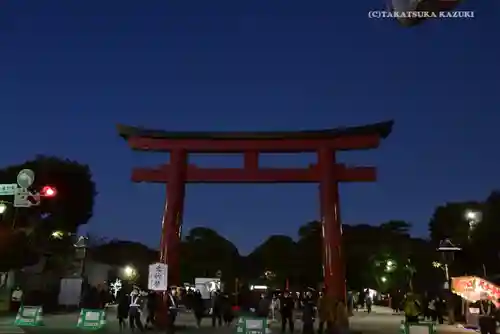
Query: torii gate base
(327, 172)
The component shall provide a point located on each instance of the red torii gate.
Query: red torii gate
(327, 172)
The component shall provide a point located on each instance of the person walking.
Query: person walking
(287, 306)
(16, 299)
(326, 313)
(135, 311)
(487, 321)
(151, 305)
(227, 311)
(122, 311)
(217, 309)
(308, 315)
(341, 321)
(275, 306)
(411, 308)
(263, 307)
(198, 307)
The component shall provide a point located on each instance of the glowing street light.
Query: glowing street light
(57, 234)
(129, 272)
(383, 279)
(3, 208)
(473, 217)
(437, 264)
(390, 265)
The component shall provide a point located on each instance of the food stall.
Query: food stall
(472, 289)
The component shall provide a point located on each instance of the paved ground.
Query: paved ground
(380, 321)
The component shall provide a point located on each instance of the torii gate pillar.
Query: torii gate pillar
(172, 216)
(333, 266)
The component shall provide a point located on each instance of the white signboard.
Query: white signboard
(8, 189)
(207, 286)
(21, 198)
(158, 277)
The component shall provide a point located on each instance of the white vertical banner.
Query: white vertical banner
(158, 277)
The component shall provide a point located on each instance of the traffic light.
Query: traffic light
(48, 191)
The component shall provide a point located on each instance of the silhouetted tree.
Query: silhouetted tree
(121, 253)
(276, 256)
(205, 252)
(26, 232)
(309, 255)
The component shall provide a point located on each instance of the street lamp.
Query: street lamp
(447, 250)
(383, 279)
(3, 208)
(390, 265)
(57, 235)
(473, 217)
(129, 272)
(81, 246)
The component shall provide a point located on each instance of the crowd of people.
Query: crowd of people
(138, 308)
(329, 314)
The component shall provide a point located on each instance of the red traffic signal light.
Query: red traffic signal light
(48, 191)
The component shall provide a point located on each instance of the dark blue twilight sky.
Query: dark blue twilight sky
(70, 70)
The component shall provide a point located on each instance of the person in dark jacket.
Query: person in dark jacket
(287, 305)
(487, 322)
(122, 309)
(308, 314)
(216, 309)
(151, 304)
(227, 311)
(263, 307)
(198, 307)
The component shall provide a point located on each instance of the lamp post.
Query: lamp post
(473, 218)
(81, 246)
(447, 250)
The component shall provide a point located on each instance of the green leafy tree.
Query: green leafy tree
(26, 232)
(450, 222)
(484, 247)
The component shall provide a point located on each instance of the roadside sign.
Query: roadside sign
(158, 277)
(21, 198)
(8, 189)
(91, 319)
(29, 316)
(251, 325)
